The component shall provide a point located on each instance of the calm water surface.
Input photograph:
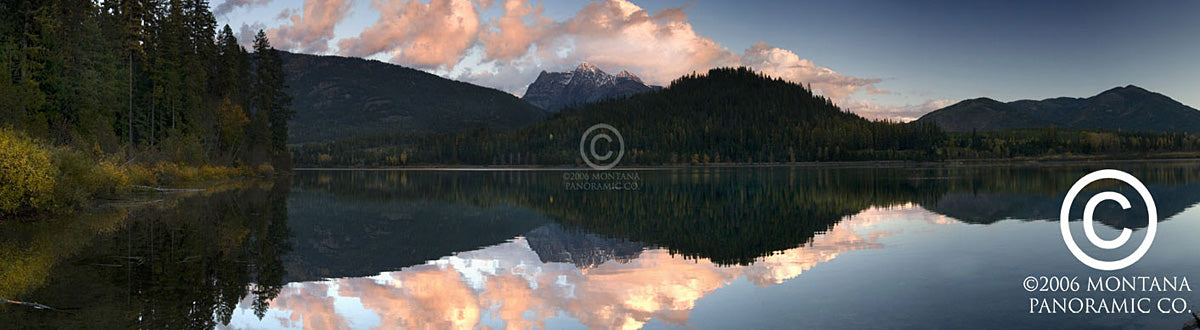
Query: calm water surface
(903, 247)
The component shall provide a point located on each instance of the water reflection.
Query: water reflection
(182, 262)
(729, 216)
(511, 284)
(621, 259)
(338, 235)
(451, 249)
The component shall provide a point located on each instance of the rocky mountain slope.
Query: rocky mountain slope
(553, 91)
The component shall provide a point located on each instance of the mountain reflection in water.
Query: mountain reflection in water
(510, 285)
(704, 247)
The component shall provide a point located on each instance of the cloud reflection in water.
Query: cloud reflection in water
(507, 285)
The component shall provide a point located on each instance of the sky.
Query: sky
(880, 59)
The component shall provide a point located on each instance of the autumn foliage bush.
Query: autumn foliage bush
(35, 177)
(82, 176)
(26, 175)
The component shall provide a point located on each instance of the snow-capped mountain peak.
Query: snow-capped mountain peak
(628, 75)
(587, 67)
(553, 91)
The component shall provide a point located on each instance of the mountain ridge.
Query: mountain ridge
(1129, 108)
(725, 115)
(336, 97)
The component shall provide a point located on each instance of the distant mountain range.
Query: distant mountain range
(1128, 108)
(554, 91)
(336, 97)
(728, 115)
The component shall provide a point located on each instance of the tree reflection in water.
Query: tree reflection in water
(470, 248)
(185, 262)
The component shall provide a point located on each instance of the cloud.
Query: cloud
(310, 306)
(905, 113)
(787, 65)
(285, 14)
(509, 51)
(311, 30)
(511, 76)
(230, 5)
(612, 34)
(619, 35)
(511, 34)
(433, 35)
(246, 33)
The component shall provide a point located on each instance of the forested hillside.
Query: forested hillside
(338, 97)
(726, 115)
(140, 77)
(1129, 108)
(736, 116)
(96, 96)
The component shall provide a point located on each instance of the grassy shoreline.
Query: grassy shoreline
(37, 179)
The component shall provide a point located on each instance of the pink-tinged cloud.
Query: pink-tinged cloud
(427, 35)
(431, 299)
(311, 30)
(904, 113)
(785, 64)
(510, 35)
(310, 306)
(659, 47)
(509, 51)
(615, 35)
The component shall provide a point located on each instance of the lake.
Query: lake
(897, 246)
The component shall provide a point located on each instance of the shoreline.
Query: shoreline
(837, 164)
(138, 196)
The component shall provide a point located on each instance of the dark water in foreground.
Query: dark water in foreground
(675, 248)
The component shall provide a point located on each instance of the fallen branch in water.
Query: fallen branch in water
(31, 305)
(134, 203)
(165, 190)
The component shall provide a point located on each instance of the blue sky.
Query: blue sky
(915, 54)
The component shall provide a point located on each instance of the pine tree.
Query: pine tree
(271, 103)
(149, 76)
